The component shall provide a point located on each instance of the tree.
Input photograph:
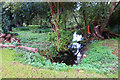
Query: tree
(56, 11)
(24, 12)
(114, 5)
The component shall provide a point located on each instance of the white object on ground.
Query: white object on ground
(76, 45)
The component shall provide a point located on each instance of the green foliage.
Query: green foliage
(93, 11)
(25, 12)
(41, 30)
(65, 39)
(5, 23)
(101, 59)
(52, 50)
(37, 60)
(34, 40)
(100, 62)
(23, 29)
(115, 28)
(13, 33)
(79, 32)
(114, 20)
(14, 43)
(27, 36)
(21, 70)
(52, 36)
(33, 26)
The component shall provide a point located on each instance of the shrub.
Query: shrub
(37, 60)
(97, 60)
(51, 36)
(65, 39)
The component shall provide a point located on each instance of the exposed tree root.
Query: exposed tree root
(108, 34)
(105, 34)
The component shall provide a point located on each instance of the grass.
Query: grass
(103, 55)
(14, 69)
(0, 64)
(110, 43)
(90, 67)
(27, 36)
(34, 40)
(99, 62)
(33, 26)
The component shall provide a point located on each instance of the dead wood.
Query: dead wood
(8, 37)
(3, 35)
(7, 41)
(97, 31)
(35, 50)
(2, 39)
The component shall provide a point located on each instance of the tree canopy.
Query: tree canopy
(60, 15)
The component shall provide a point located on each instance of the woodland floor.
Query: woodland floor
(14, 69)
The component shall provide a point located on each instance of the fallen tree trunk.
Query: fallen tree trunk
(35, 50)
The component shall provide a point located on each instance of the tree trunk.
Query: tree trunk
(85, 24)
(50, 23)
(65, 22)
(58, 20)
(54, 19)
(107, 18)
(21, 22)
(4, 28)
(78, 24)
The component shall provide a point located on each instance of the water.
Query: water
(75, 46)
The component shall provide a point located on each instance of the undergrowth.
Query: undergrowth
(99, 59)
(35, 59)
(14, 69)
(28, 37)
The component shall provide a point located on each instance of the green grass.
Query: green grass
(31, 38)
(99, 57)
(14, 69)
(0, 64)
(34, 26)
(110, 43)
(99, 62)
(35, 40)
(41, 30)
